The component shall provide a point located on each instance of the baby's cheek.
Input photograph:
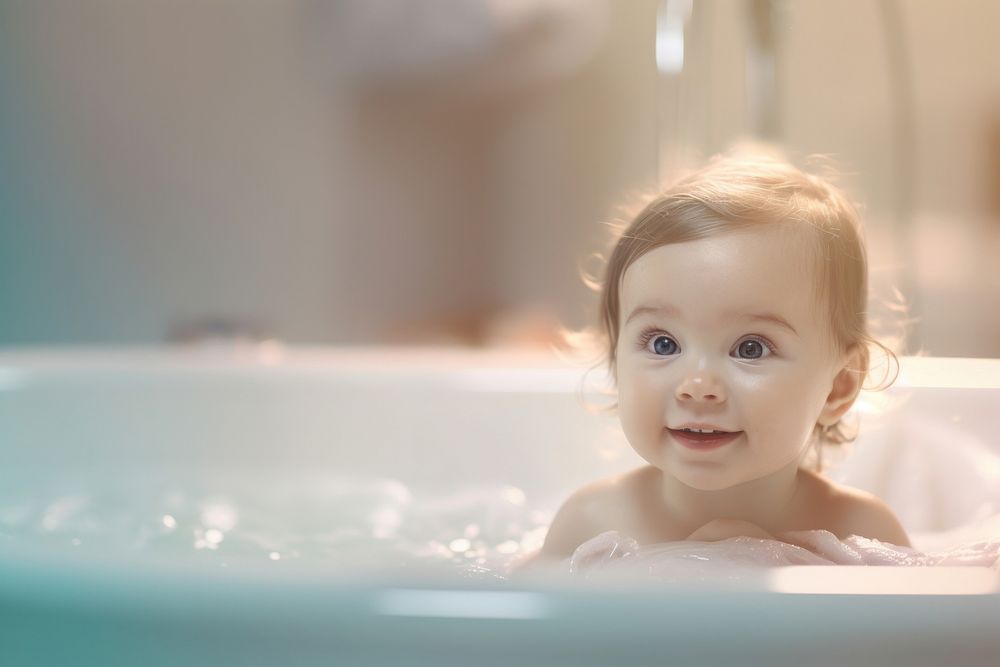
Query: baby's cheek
(785, 419)
(641, 411)
(806, 399)
(775, 409)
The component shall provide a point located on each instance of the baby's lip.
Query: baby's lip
(702, 427)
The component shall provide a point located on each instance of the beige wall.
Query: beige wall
(260, 162)
(915, 143)
(339, 177)
(177, 160)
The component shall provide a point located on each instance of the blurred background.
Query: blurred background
(438, 171)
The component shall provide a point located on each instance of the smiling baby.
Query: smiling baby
(733, 311)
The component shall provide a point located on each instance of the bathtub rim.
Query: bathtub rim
(553, 368)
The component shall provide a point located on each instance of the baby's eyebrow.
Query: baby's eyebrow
(672, 311)
(662, 309)
(772, 318)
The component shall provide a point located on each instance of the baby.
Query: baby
(733, 309)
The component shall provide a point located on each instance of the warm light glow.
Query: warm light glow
(270, 352)
(670, 36)
(950, 372)
(883, 580)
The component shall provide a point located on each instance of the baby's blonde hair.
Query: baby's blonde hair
(744, 189)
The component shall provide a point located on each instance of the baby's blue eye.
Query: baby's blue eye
(752, 348)
(664, 345)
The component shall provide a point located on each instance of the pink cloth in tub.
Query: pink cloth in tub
(613, 553)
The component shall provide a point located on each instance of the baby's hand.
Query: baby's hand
(722, 529)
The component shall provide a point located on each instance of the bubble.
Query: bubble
(534, 539)
(386, 521)
(459, 545)
(513, 495)
(61, 510)
(508, 547)
(340, 521)
(541, 518)
(219, 514)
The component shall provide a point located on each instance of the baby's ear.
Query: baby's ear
(846, 385)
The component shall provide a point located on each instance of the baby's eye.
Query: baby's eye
(753, 348)
(662, 345)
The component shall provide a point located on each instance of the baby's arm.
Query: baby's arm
(572, 525)
(866, 515)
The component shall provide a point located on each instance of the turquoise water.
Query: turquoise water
(295, 520)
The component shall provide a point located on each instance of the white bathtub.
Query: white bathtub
(111, 427)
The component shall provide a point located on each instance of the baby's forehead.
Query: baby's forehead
(771, 250)
(729, 272)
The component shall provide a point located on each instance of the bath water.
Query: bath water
(328, 523)
(287, 520)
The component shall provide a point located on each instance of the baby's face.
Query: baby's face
(704, 341)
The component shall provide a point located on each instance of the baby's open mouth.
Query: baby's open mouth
(703, 430)
(703, 438)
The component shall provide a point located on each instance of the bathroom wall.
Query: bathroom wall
(903, 99)
(164, 161)
(906, 95)
(319, 172)
(438, 171)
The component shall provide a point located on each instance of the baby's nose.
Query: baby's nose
(701, 387)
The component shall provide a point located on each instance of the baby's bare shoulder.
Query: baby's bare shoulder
(857, 512)
(588, 512)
